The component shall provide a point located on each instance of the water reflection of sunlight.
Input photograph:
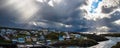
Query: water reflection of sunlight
(107, 44)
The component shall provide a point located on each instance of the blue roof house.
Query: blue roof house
(21, 40)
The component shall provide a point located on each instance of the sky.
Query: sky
(63, 15)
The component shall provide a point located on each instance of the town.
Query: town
(44, 38)
(41, 38)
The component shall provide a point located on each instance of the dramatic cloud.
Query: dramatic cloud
(59, 14)
(117, 22)
(65, 15)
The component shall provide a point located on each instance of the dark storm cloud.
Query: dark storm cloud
(6, 17)
(63, 15)
(66, 12)
(108, 21)
(60, 12)
(9, 17)
(107, 10)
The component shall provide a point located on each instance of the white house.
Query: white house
(3, 31)
(34, 39)
(14, 41)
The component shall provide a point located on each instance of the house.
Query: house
(28, 39)
(45, 31)
(15, 35)
(85, 38)
(41, 38)
(61, 38)
(67, 36)
(27, 33)
(14, 41)
(9, 30)
(34, 39)
(77, 36)
(13, 31)
(49, 42)
(3, 31)
(21, 32)
(34, 32)
(21, 40)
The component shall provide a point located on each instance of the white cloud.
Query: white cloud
(117, 22)
(99, 15)
(68, 26)
(102, 29)
(111, 3)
